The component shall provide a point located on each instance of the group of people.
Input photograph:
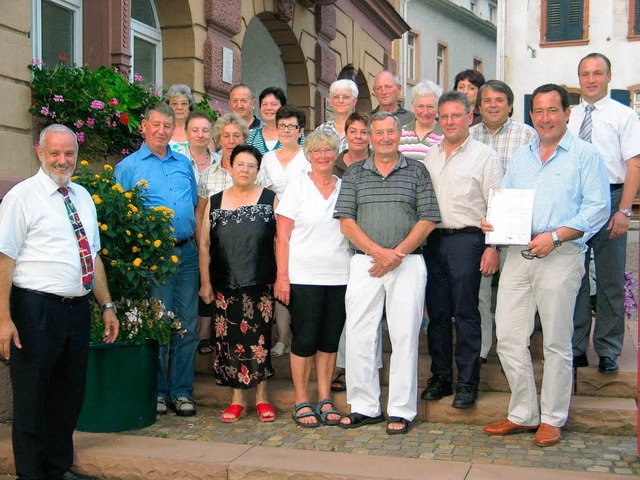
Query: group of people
(327, 234)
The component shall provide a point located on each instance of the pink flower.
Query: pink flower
(97, 105)
(58, 98)
(91, 122)
(137, 77)
(80, 137)
(117, 114)
(78, 124)
(124, 151)
(44, 111)
(113, 102)
(115, 69)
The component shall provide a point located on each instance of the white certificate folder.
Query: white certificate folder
(509, 211)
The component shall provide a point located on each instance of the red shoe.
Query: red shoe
(266, 413)
(232, 413)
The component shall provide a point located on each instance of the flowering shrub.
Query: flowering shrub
(137, 249)
(630, 303)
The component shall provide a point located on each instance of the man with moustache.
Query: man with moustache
(242, 102)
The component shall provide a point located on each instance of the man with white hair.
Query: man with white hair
(387, 88)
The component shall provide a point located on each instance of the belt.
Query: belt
(182, 243)
(615, 186)
(53, 296)
(457, 231)
(417, 251)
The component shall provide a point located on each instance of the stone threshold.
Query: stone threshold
(115, 456)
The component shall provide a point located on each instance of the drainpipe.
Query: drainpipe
(501, 41)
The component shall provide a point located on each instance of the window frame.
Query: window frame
(444, 81)
(544, 4)
(149, 34)
(635, 92)
(634, 21)
(478, 64)
(75, 6)
(413, 57)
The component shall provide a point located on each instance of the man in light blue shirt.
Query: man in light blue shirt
(172, 184)
(571, 203)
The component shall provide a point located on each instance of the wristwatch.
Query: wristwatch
(109, 305)
(626, 212)
(556, 240)
(495, 247)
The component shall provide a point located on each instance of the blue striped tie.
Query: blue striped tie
(587, 124)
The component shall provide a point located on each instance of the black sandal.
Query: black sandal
(205, 347)
(399, 431)
(338, 384)
(360, 420)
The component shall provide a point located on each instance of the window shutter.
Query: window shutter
(554, 20)
(564, 20)
(575, 10)
(636, 18)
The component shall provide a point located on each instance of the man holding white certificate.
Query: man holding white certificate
(571, 201)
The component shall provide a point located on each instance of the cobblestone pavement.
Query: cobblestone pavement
(577, 451)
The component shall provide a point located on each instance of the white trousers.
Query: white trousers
(486, 317)
(548, 285)
(401, 292)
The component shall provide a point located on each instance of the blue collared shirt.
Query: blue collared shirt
(571, 188)
(171, 181)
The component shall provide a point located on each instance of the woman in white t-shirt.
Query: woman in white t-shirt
(312, 258)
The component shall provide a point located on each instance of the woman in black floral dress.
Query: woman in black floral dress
(237, 271)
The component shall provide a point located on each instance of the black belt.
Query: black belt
(417, 251)
(53, 296)
(182, 243)
(615, 186)
(457, 231)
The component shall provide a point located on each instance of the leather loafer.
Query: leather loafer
(547, 435)
(437, 387)
(465, 397)
(607, 365)
(580, 361)
(507, 427)
(71, 475)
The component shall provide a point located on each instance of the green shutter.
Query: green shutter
(564, 20)
(636, 18)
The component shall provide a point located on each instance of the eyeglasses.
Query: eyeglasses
(283, 126)
(454, 116)
(323, 151)
(341, 97)
(248, 166)
(528, 255)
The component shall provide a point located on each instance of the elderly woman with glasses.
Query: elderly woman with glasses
(422, 133)
(312, 257)
(180, 99)
(343, 96)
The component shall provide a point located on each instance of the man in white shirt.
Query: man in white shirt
(614, 130)
(49, 242)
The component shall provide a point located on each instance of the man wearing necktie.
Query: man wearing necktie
(614, 130)
(48, 266)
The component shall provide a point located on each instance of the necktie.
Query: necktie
(86, 260)
(587, 124)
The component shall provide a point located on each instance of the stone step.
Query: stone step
(609, 416)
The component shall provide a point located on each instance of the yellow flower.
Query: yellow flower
(157, 243)
(174, 258)
(104, 227)
(171, 229)
(105, 251)
(154, 268)
(74, 178)
(97, 176)
(118, 188)
(128, 195)
(84, 163)
(162, 259)
(143, 183)
(139, 235)
(113, 263)
(108, 167)
(135, 249)
(128, 232)
(137, 262)
(133, 208)
(96, 199)
(146, 240)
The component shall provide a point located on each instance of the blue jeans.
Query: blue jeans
(610, 257)
(180, 295)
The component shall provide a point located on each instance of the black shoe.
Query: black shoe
(437, 387)
(71, 475)
(580, 361)
(465, 397)
(607, 365)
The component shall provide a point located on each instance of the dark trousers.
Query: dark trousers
(453, 283)
(48, 376)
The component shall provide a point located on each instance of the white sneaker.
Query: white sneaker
(161, 406)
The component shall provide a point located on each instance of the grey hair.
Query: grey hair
(162, 108)
(229, 119)
(424, 89)
(453, 96)
(344, 83)
(396, 78)
(317, 138)
(376, 117)
(180, 89)
(57, 127)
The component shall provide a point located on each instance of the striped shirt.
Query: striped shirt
(330, 127)
(411, 146)
(213, 180)
(387, 208)
(505, 140)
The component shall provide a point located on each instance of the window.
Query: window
(473, 6)
(493, 12)
(634, 19)
(146, 41)
(635, 98)
(56, 27)
(477, 64)
(413, 57)
(441, 66)
(564, 21)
